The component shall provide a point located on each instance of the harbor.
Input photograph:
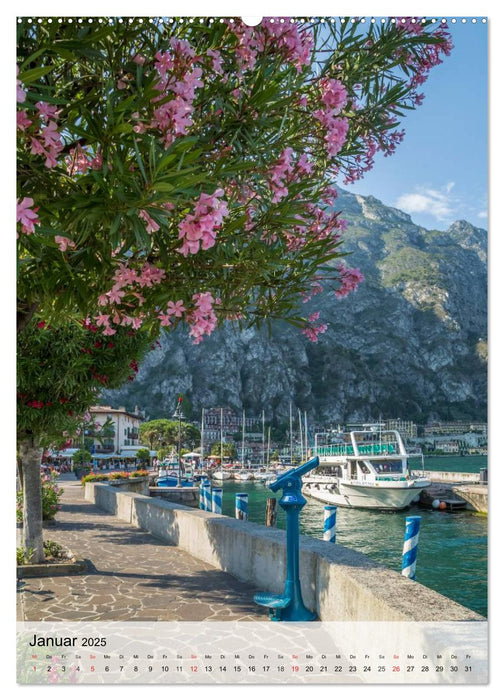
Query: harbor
(452, 551)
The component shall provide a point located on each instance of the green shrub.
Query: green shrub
(51, 495)
(55, 550)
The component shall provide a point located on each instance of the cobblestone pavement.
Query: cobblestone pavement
(131, 575)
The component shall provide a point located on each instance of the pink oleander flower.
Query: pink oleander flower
(334, 94)
(350, 278)
(280, 175)
(22, 120)
(176, 308)
(200, 228)
(115, 295)
(312, 331)
(165, 319)
(47, 111)
(294, 46)
(51, 146)
(202, 319)
(26, 215)
(64, 243)
(152, 226)
(216, 61)
(102, 319)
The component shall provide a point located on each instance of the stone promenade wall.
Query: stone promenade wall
(337, 582)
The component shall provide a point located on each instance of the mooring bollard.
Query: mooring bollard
(217, 501)
(207, 497)
(330, 523)
(410, 546)
(241, 506)
(271, 512)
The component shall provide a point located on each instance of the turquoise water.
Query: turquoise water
(452, 464)
(452, 550)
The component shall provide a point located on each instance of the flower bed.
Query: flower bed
(114, 476)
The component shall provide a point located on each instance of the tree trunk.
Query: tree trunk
(30, 454)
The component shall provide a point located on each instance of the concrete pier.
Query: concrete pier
(449, 477)
(475, 496)
(338, 583)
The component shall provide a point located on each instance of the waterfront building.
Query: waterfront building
(454, 428)
(121, 435)
(406, 428)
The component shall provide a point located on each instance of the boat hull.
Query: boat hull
(394, 496)
(221, 476)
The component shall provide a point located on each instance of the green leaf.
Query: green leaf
(30, 76)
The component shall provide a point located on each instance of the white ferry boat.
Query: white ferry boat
(369, 469)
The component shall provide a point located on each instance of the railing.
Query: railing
(374, 448)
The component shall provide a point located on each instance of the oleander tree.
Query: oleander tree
(61, 370)
(183, 172)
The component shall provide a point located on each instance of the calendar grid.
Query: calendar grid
(388, 652)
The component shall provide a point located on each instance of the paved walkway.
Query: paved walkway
(131, 576)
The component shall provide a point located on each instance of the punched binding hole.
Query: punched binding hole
(251, 21)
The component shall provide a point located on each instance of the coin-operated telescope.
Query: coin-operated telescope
(290, 606)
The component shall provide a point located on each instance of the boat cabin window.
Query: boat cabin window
(387, 466)
(364, 468)
(333, 470)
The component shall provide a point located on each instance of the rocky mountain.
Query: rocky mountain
(409, 343)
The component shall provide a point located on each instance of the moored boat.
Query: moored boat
(221, 475)
(369, 469)
(243, 476)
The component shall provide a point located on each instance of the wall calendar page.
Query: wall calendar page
(252, 350)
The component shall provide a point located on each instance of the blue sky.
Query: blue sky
(439, 173)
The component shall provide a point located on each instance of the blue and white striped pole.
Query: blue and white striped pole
(241, 506)
(330, 523)
(207, 496)
(217, 501)
(201, 496)
(410, 546)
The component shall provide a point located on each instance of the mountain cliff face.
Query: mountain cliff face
(409, 343)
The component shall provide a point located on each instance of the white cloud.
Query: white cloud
(483, 215)
(426, 200)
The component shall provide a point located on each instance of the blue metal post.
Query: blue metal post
(207, 498)
(201, 496)
(241, 506)
(410, 546)
(217, 500)
(330, 523)
(289, 606)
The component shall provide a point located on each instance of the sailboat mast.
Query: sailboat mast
(300, 433)
(221, 439)
(269, 442)
(263, 458)
(202, 435)
(243, 440)
(306, 434)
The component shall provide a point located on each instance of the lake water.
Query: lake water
(452, 549)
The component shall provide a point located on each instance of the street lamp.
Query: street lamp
(179, 414)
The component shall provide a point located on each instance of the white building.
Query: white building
(121, 438)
